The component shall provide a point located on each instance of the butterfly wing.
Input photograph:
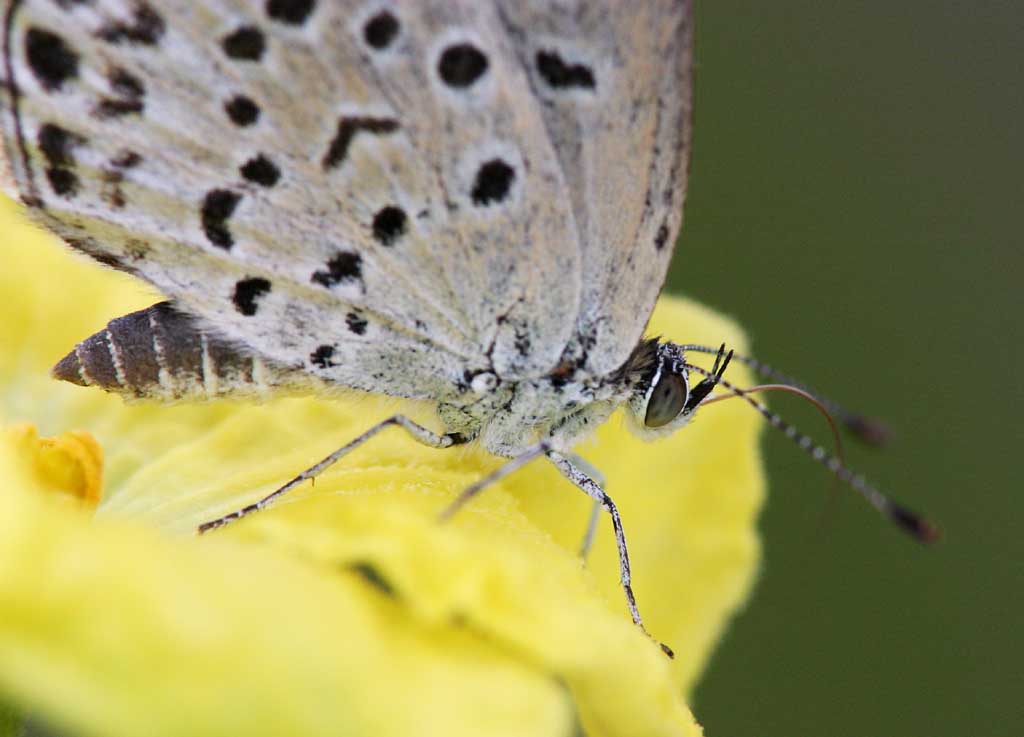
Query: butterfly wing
(615, 84)
(362, 191)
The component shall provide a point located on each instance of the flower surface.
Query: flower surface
(346, 608)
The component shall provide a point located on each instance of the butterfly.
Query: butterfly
(471, 203)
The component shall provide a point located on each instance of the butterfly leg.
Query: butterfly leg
(595, 508)
(589, 487)
(419, 433)
(588, 536)
(534, 451)
(593, 490)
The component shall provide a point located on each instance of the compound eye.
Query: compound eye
(667, 400)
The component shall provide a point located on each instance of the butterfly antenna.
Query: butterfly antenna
(907, 520)
(869, 430)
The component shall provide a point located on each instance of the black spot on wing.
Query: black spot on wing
(124, 83)
(111, 108)
(493, 182)
(661, 237)
(348, 127)
(218, 206)
(146, 27)
(129, 91)
(561, 75)
(381, 30)
(49, 57)
(356, 323)
(242, 110)
(321, 357)
(112, 176)
(245, 44)
(292, 12)
(57, 144)
(461, 65)
(62, 181)
(344, 266)
(247, 294)
(261, 171)
(389, 224)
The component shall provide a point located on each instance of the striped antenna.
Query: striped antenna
(907, 520)
(871, 431)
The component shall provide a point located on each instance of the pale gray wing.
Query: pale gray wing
(615, 84)
(364, 191)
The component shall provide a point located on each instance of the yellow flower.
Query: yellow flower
(347, 608)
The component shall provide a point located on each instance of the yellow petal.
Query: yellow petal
(112, 629)
(347, 608)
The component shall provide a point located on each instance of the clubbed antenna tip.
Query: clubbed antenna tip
(914, 524)
(910, 522)
(869, 430)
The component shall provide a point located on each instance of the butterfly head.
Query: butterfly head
(663, 400)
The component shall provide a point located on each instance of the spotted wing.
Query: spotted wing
(614, 80)
(364, 191)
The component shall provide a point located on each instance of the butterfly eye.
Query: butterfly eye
(667, 400)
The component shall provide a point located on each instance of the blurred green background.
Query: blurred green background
(854, 202)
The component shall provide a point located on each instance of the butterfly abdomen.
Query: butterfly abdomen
(160, 353)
